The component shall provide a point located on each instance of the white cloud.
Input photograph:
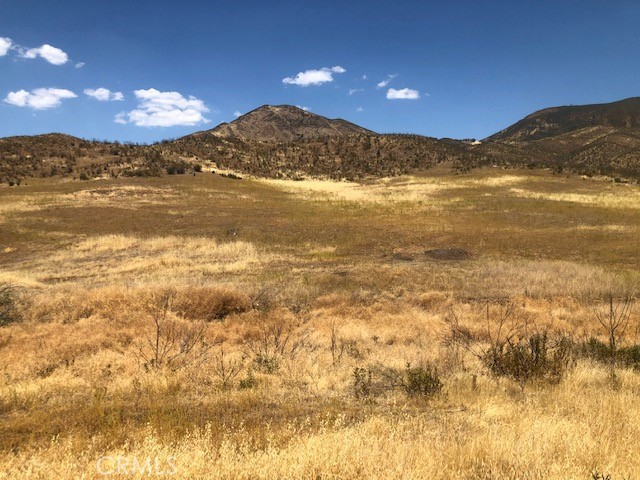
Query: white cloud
(386, 82)
(364, 77)
(80, 64)
(121, 118)
(306, 109)
(359, 109)
(355, 90)
(313, 77)
(5, 46)
(104, 94)
(51, 54)
(164, 109)
(403, 94)
(40, 98)
(236, 114)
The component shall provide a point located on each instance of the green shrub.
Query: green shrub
(266, 363)
(9, 299)
(248, 382)
(533, 357)
(600, 352)
(595, 349)
(376, 380)
(362, 382)
(422, 380)
(629, 356)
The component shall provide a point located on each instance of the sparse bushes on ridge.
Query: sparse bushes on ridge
(177, 167)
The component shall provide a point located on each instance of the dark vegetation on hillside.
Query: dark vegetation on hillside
(286, 142)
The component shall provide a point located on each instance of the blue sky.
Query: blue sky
(457, 69)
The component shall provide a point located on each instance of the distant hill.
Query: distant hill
(338, 156)
(555, 121)
(287, 142)
(284, 123)
(590, 139)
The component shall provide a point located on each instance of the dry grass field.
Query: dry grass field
(441, 327)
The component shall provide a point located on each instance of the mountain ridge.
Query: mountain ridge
(286, 141)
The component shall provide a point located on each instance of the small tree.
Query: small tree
(172, 344)
(227, 367)
(614, 318)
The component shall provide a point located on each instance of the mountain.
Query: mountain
(287, 142)
(285, 123)
(591, 139)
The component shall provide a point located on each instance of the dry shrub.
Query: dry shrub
(119, 303)
(171, 342)
(210, 303)
(432, 300)
(297, 296)
(70, 306)
(275, 336)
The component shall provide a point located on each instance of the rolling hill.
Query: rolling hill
(591, 139)
(286, 141)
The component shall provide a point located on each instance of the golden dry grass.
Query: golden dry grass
(280, 291)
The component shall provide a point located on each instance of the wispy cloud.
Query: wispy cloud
(51, 54)
(386, 82)
(104, 94)
(40, 98)
(5, 45)
(359, 109)
(355, 90)
(164, 109)
(403, 94)
(313, 77)
(306, 109)
(237, 114)
(80, 64)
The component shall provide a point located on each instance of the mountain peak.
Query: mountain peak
(285, 123)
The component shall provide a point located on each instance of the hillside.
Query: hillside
(555, 121)
(338, 157)
(590, 139)
(288, 142)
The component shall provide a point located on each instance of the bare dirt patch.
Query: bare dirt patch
(450, 254)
